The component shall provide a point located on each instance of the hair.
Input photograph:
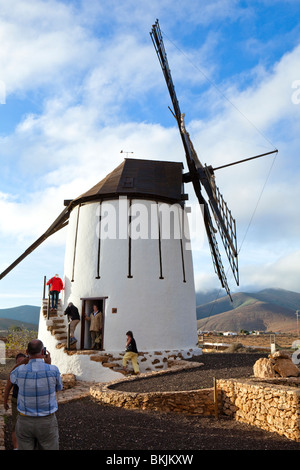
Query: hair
(129, 333)
(20, 355)
(35, 347)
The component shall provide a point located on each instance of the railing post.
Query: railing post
(48, 305)
(44, 291)
(68, 336)
(215, 397)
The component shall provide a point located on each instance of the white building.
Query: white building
(128, 250)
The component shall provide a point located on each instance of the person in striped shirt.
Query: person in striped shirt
(38, 381)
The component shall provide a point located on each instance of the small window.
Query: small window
(128, 182)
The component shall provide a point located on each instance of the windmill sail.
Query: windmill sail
(199, 173)
(162, 56)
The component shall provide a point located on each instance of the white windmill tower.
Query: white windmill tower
(123, 253)
(128, 250)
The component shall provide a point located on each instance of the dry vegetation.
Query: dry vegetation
(284, 341)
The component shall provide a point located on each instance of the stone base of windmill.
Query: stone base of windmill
(148, 361)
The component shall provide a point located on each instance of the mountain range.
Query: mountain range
(272, 310)
(24, 315)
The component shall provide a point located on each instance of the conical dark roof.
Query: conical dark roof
(145, 179)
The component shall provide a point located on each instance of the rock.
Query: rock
(102, 359)
(278, 364)
(286, 368)
(280, 354)
(263, 368)
(110, 365)
(68, 380)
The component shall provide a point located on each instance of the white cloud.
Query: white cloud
(42, 42)
(271, 237)
(89, 86)
(251, 188)
(283, 273)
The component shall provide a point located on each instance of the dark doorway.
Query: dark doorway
(86, 309)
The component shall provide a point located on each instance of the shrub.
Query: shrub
(18, 338)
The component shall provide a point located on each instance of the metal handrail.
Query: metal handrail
(48, 304)
(68, 336)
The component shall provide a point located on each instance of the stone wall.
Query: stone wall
(269, 406)
(199, 402)
(2, 422)
(2, 387)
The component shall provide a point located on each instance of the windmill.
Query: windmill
(143, 283)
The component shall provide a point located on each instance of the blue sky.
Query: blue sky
(82, 82)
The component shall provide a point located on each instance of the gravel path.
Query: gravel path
(223, 366)
(87, 425)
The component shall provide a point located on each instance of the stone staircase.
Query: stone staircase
(56, 323)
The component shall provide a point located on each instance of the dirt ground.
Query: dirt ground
(211, 365)
(87, 425)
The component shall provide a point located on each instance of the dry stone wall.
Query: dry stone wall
(274, 408)
(269, 406)
(199, 402)
(2, 387)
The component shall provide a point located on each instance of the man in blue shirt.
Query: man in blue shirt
(38, 382)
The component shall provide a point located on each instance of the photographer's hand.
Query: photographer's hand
(47, 358)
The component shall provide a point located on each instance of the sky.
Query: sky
(81, 87)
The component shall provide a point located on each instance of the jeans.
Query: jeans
(54, 298)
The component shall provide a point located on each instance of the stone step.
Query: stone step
(55, 331)
(61, 337)
(54, 313)
(58, 323)
(51, 315)
(45, 308)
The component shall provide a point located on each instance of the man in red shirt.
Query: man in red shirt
(56, 286)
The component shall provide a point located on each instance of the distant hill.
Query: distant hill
(6, 324)
(23, 314)
(206, 297)
(267, 310)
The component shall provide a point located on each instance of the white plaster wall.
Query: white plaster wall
(160, 312)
